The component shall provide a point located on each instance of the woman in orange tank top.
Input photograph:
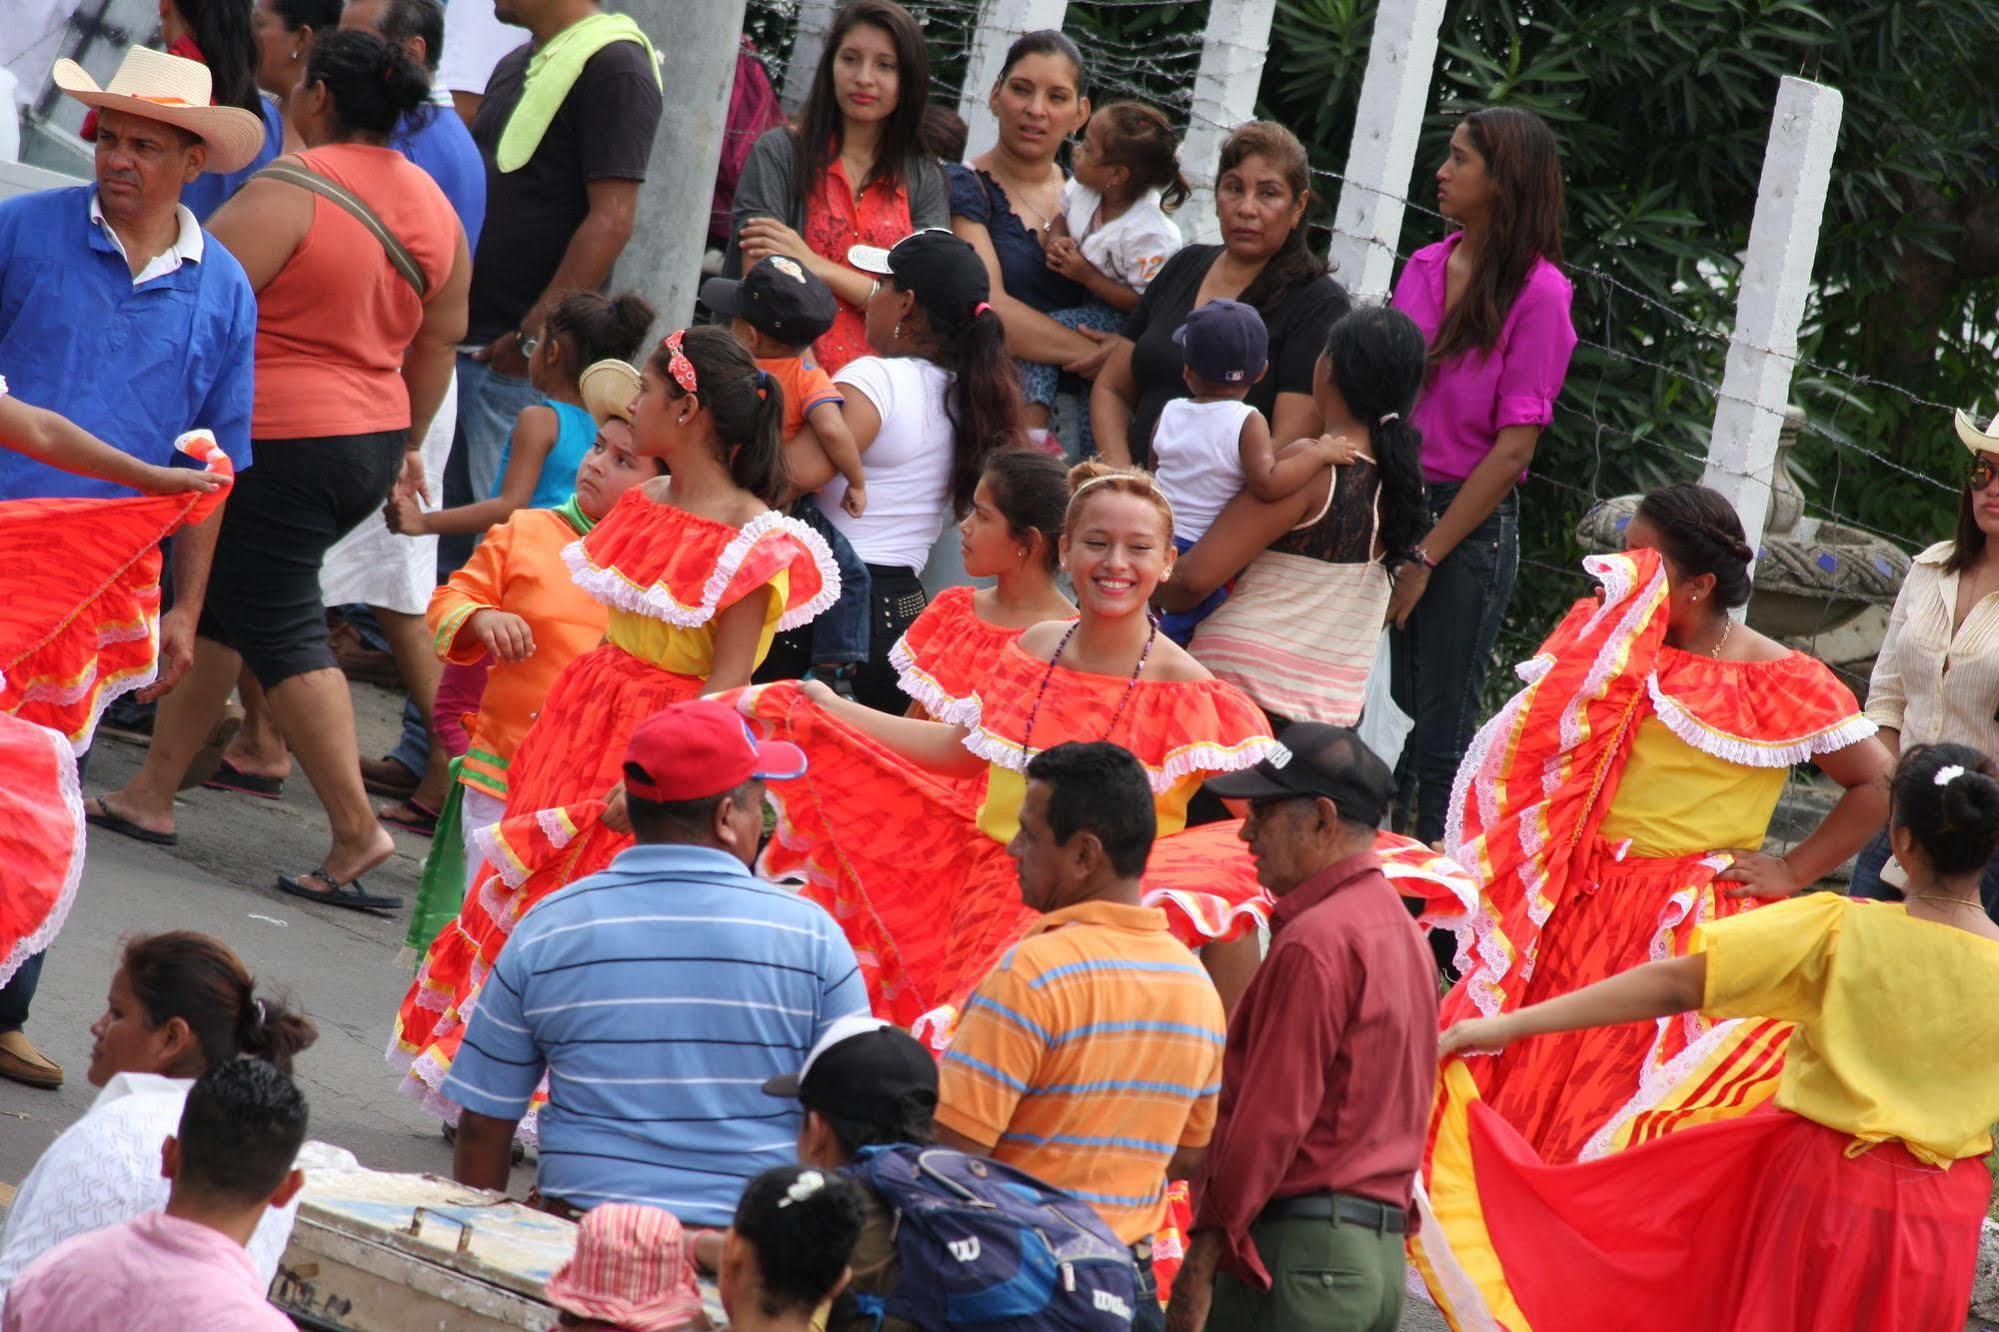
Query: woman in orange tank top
(353, 355)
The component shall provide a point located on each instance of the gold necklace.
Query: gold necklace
(1940, 897)
(1727, 624)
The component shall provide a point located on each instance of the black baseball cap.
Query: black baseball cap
(1313, 759)
(778, 296)
(863, 1070)
(942, 269)
(1225, 342)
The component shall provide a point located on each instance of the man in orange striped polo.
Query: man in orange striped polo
(1091, 1056)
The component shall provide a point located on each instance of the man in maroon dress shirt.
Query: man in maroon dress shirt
(1330, 1067)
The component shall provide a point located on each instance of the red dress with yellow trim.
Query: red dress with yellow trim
(947, 653)
(914, 867)
(665, 574)
(81, 627)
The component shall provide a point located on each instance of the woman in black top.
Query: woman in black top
(1262, 190)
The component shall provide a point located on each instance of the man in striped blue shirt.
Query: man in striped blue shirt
(659, 995)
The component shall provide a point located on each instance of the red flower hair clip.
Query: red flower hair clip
(678, 365)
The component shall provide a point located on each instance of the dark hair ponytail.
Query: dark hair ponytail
(372, 83)
(1031, 491)
(600, 328)
(1700, 532)
(221, 28)
(983, 401)
(746, 403)
(802, 1225)
(1955, 823)
(196, 978)
(1378, 360)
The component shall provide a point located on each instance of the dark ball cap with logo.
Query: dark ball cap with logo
(779, 297)
(1225, 342)
(863, 1070)
(1312, 759)
(942, 270)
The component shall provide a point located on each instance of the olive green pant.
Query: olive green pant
(1325, 1276)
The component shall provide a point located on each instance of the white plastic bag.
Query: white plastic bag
(1383, 726)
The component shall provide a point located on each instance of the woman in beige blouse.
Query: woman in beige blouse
(1937, 677)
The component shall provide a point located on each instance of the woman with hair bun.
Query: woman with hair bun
(1856, 1201)
(355, 345)
(180, 1003)
(699, 573)
(786, 1253)
(900, 825)
(1612, 809)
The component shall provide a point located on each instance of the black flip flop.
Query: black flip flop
(231, 778)
(350, 894)
(101, 815)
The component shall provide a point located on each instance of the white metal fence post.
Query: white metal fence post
(1233, 47)
(815, 19)
(1393, 96)
(1000, 23)
(1783, 241)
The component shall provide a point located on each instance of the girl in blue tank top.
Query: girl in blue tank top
(538, 465)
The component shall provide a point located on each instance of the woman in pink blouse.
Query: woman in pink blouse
(1494, 308)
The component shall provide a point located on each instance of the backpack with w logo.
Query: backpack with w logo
(984, 1246)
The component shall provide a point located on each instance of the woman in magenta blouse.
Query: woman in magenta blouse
(1494, 308)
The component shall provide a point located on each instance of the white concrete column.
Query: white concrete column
(815, 20)
(1233, 47)
(1382, 156)
(697, 41)
(1001, 22)
(1762, 353)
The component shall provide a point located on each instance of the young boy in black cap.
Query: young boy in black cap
(778, 309)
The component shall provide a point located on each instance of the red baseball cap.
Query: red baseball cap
(701, 748)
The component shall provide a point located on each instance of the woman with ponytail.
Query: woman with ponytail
(926, 410)
(1612, 810)
(1313, 570)
(1856, 1201)
(180, 1004)
(699, 573)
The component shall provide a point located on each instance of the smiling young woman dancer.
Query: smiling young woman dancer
(699, 572)
(911, 857)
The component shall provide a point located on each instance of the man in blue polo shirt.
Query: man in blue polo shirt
(118, 311)
(659, 995)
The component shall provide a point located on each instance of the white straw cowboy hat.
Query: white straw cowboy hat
(174, 91)
(1978, 441)
(608, 388)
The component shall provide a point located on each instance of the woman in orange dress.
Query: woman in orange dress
(1010, 535)
(81, 628)
(1853, 1202)
(1604, 812)
(900, 828)
(699, 572)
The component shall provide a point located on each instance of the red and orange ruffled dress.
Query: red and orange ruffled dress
(665, 574)
(1593, 810)
(81, 628)
(947, 653)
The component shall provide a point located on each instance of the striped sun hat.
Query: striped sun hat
(633, 1268)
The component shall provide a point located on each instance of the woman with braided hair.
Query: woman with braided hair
(1614, 806)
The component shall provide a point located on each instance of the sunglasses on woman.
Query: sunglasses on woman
(1979, 475)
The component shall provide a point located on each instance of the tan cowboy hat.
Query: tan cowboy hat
(608, 388)
(174, 91)
(1978, 441)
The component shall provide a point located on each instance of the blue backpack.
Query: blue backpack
(985, 1246)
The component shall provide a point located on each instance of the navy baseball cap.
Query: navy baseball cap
(1225, 342)
(1314, 759)
(778, 296)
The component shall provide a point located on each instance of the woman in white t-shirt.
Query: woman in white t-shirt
(179, 1004)
(925, 411)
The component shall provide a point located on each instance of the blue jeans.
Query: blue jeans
(1438, 664)
(1179, 625)
(1149, 1316)
(1867, 877)
(18, 993)
(840, 634)
(488, 405)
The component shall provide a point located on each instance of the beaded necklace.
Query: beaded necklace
(1130, 686)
